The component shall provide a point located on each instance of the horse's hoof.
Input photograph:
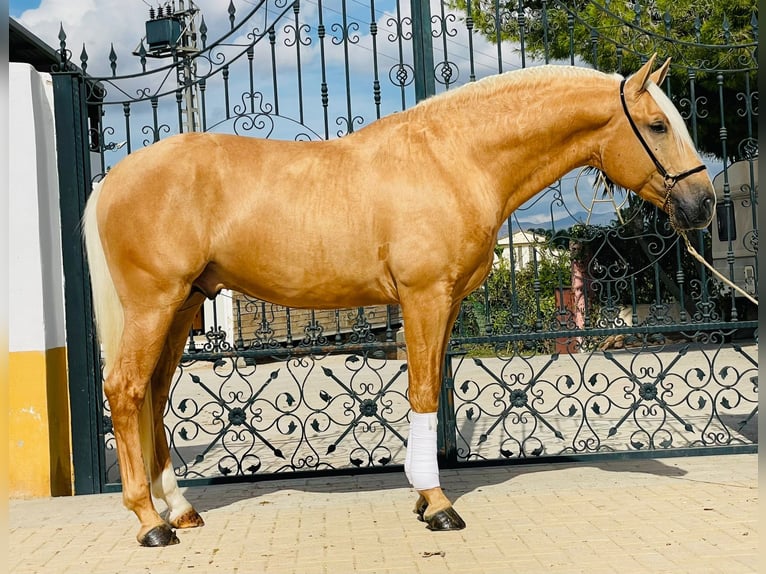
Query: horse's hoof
(443, 520)
(189, 519)
(161, 535)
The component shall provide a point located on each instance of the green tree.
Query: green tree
(524, 301)
(705, 38)
(639, 259)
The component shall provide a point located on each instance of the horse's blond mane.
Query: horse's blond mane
(530, 77)
(509, 80)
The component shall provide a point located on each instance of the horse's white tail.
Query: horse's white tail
(106, 304)
(109, 315)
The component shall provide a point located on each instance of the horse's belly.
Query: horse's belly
(303, 286)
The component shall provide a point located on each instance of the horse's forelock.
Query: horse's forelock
(677, 124)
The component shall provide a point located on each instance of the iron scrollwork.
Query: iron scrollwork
(593, 337)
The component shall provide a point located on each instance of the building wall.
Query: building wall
(39, 422)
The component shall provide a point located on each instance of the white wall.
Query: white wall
(36, 298)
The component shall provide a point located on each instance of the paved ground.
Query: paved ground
(682, 515)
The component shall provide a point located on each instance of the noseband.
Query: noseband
(670, 179)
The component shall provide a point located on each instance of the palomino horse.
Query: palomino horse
(405, 211)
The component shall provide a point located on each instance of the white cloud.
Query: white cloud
(101, 24)
(88, 21)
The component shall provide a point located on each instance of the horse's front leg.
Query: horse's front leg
(428, 321)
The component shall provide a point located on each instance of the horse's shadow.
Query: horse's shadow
(455, 482)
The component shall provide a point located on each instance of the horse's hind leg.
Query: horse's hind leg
(181, 514)
(126, 385)
(428, 319)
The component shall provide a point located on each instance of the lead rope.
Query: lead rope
(667, 205)
(702, 260)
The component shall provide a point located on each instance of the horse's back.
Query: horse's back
(321, 224)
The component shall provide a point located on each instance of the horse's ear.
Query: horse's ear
(637, 82)
(659, 75)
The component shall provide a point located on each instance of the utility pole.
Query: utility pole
(171, 32)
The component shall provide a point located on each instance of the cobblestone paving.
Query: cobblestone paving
(676, 515)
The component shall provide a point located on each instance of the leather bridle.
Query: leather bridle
(670, 179)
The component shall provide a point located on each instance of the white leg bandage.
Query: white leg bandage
(420, 464)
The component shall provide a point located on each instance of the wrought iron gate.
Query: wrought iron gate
(595, 334)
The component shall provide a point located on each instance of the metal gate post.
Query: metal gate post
(447, 428)
(422, 50)
(83, 358)
(425, 87)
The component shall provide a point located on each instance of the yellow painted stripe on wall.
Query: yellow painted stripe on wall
(39, 453)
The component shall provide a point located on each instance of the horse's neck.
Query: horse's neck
(528, 136)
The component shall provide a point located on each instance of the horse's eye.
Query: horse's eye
(658, 127)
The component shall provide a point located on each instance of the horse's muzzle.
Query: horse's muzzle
(692, 210)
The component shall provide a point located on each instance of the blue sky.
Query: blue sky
(16, 7)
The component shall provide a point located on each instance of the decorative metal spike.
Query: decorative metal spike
(232, 12)
(697, 27)
(84, 59)
(142, 55)
(754, 24)
(203, 32)
(637, 9)
(726, 29)
(62, 44)
(113, 60)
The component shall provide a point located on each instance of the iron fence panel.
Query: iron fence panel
(594, 334)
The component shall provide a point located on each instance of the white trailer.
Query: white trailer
(735, 232)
